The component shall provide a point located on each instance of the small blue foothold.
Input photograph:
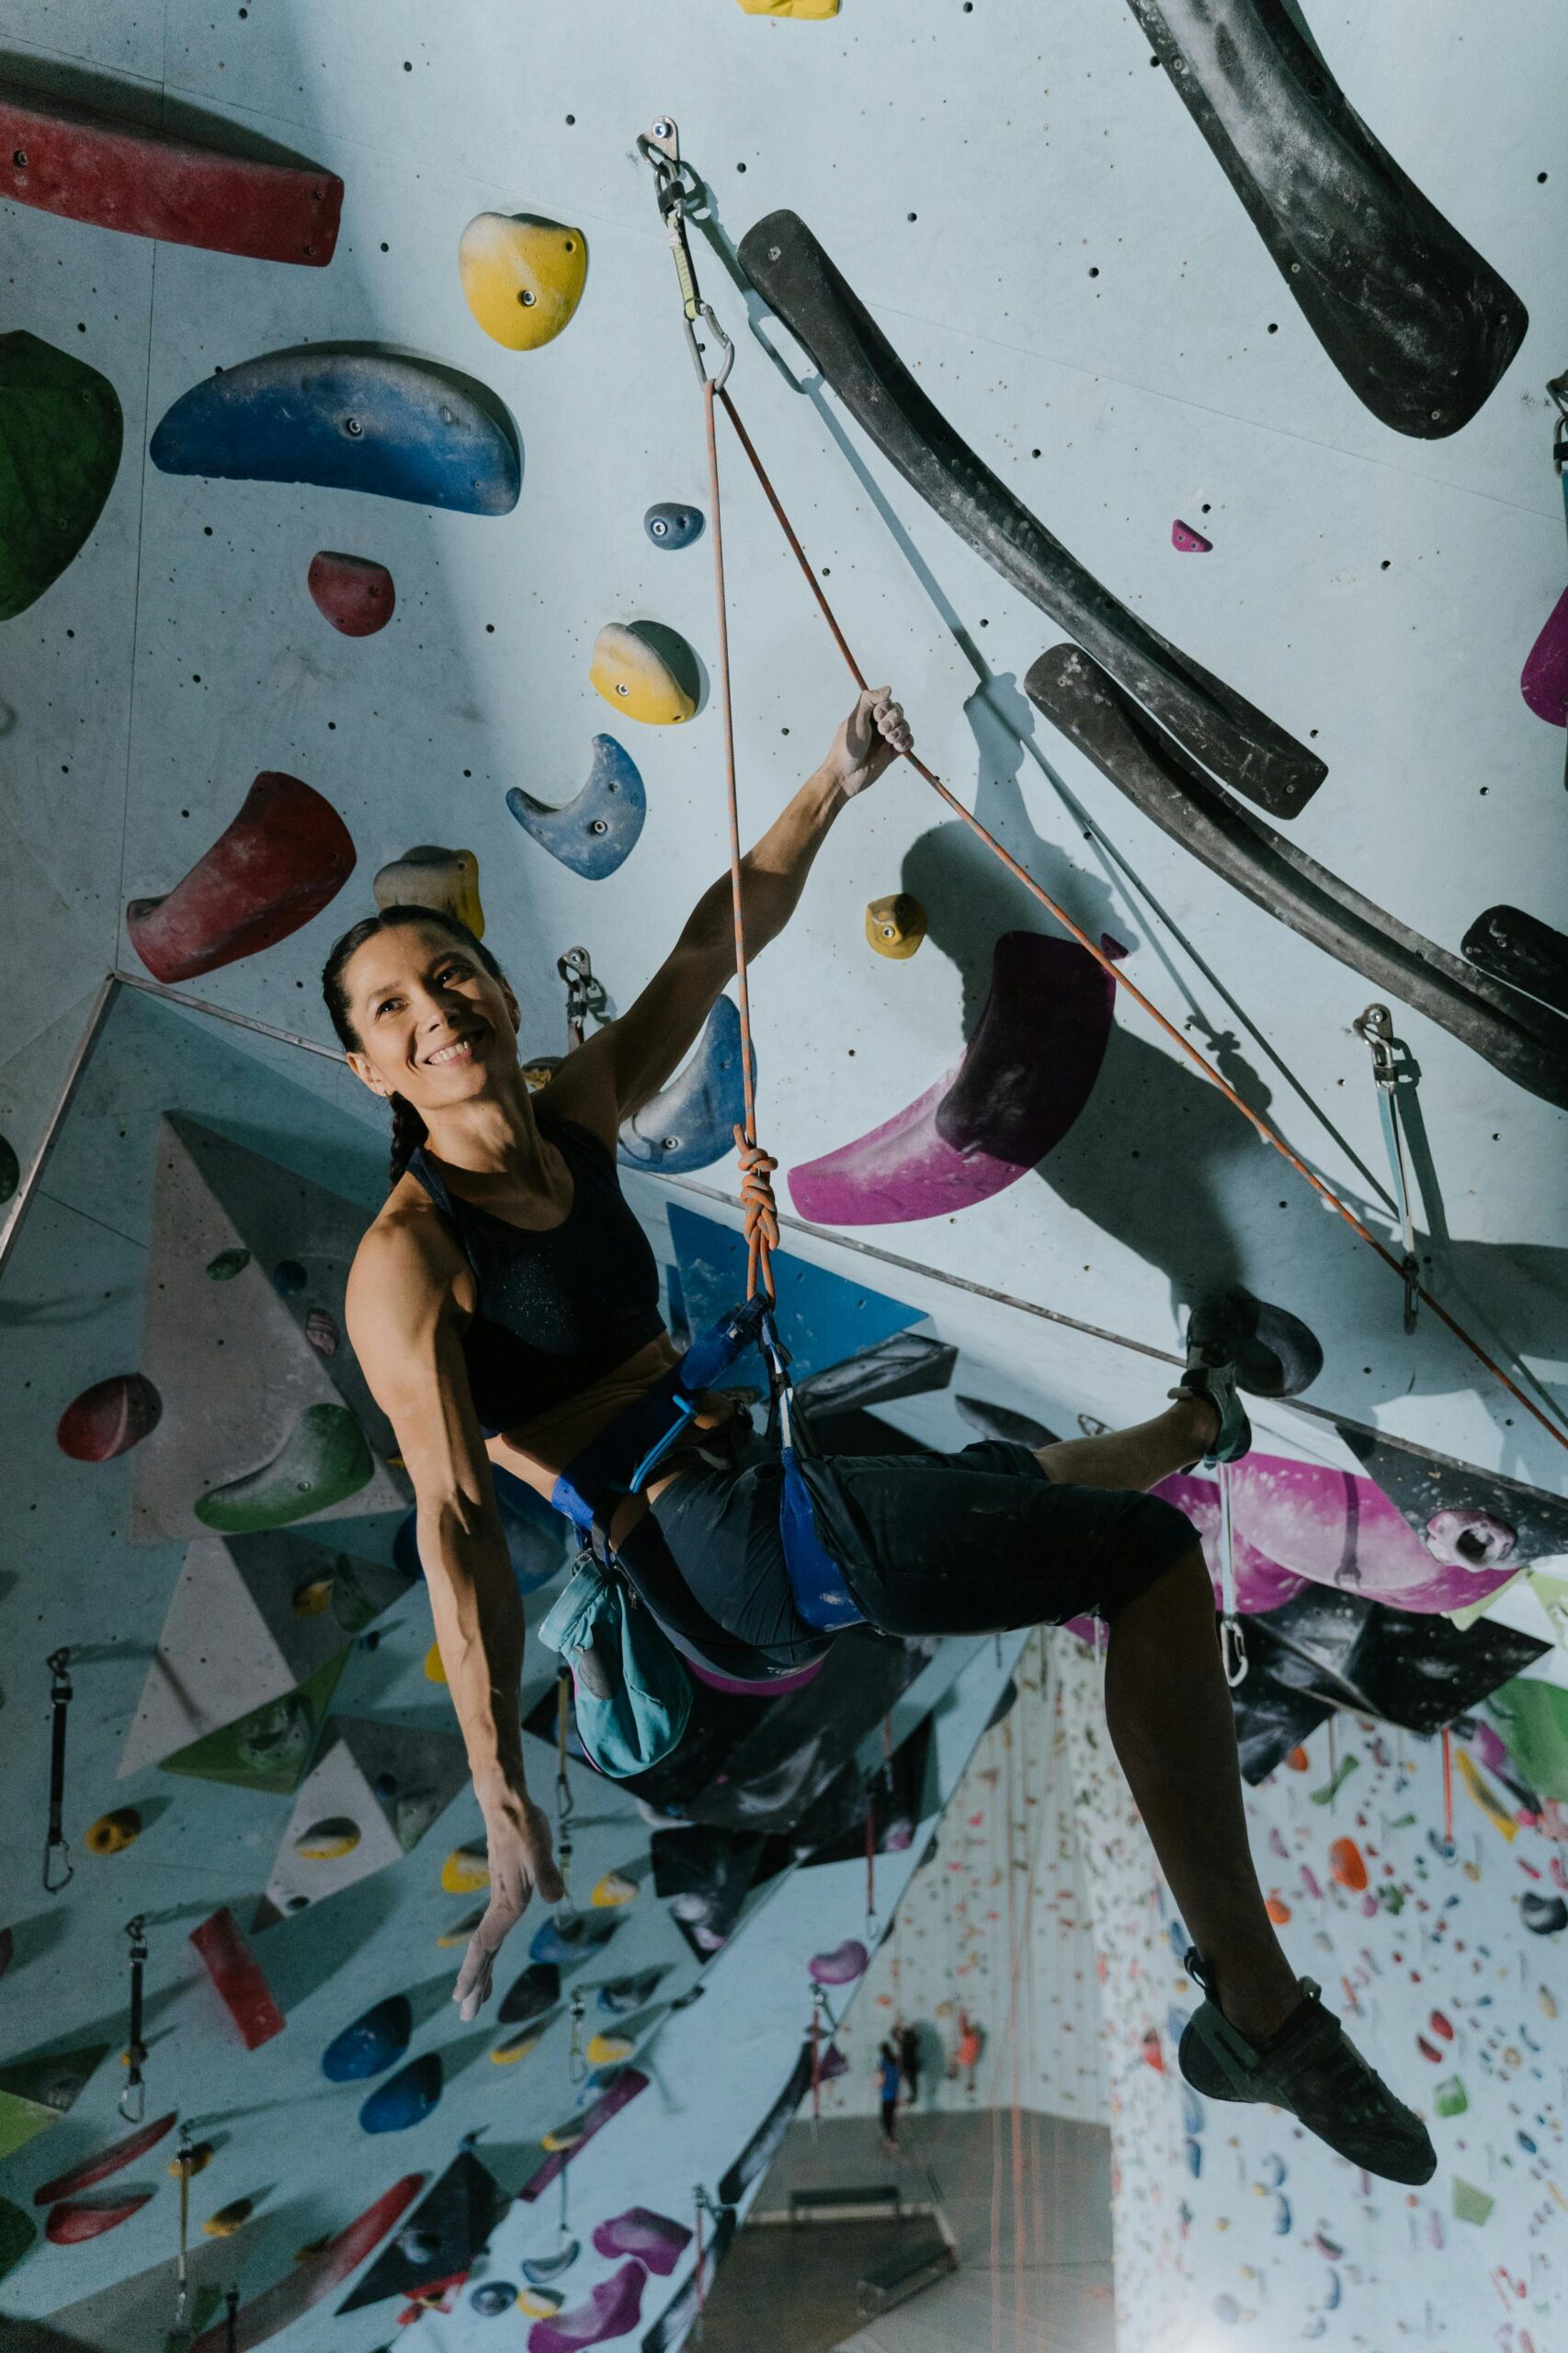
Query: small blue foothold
(288, 1278)
(405, 2099)
(672, 526)
(372, 2042)
(596, 832)
(493, 2296)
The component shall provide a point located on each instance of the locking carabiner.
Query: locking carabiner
(676, 185)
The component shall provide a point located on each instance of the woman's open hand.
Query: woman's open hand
(521, 1860)
(875, 734)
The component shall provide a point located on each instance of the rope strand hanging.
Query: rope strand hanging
(676, 182)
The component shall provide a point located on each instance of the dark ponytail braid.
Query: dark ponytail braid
(408, 1127)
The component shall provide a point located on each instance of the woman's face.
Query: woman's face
(433, 1024)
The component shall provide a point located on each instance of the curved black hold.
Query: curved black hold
(1218, 726)
(906, 1364)
(1521, 950)
(1526, 1041)
(1275, 1355)
(1418, 324)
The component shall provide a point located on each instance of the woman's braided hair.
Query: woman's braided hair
(408, 1129)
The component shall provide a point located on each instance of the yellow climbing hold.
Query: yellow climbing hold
(191, 2161)
(465, 1871)
(613, 1889)
(610, 2049)
(435, 1668)
(1500, 1819)
(428, 876)
(895, 926)
(228, 2219)
(112, 1833)
(812, 9)
(539, 2303)
(516, 2046)
(312, 1598)
(522, 278)
(328, 1841)
(635, 679)
(562, 2136)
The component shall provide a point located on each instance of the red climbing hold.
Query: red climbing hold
(69, 2224)
(109, 1419)
(1187, 541)
(119, 2155)
(236, 1973)
(1345, 1862)
(1441, 2026)
(354, 592)
(286, 854)
(85, 165)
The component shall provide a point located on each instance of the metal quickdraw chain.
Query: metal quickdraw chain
(230, 2318)
(134, 2099)
(59, 1699)
(1390, 1070)
(184, 2165)
(1232, 1640)
(676, 185)
(708, 2209)
(577, 2060)
(564, 1801)
(585, 996)
(1557, 392)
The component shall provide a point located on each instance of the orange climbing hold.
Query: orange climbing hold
(1345, 1861)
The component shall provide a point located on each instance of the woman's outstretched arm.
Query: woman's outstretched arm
(400, 1319)
(620, 1069)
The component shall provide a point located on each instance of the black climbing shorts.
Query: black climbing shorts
(967, 1543)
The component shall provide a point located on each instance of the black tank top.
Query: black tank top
(554, 1311)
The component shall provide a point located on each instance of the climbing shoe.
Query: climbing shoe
(1274, 1352)
(1210, 1372)
(1310, 2067)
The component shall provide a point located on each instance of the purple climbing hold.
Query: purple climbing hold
(655, 2240)
(842, 1965)
(613, 2309)
(1187, 541)
(1543, 681)
(1336, 1527)
(1261, 1583)
(1026, 1074)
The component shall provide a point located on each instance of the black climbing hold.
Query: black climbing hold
(1275, 1354)
(669, 525)
(1522, 951)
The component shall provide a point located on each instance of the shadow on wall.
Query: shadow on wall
(1149, 1111)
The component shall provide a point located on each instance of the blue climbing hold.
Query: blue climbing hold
(372, 2043)
(573, 1937)
(692, 1122)
(288, 1278)
(669, 525)
(822, 1318)
(491, 2297)
(535, 1991)
(404, 2098)
(596, 832)
(347, 417)
(624, 1995)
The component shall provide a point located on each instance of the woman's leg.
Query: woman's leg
(1138, 1457)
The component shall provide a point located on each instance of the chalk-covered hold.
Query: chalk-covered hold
(522, 276)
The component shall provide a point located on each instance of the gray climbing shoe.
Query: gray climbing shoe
(1275, 1354)
(1211, 1373)
(1311, 2068)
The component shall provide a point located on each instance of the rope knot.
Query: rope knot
(761, 1212)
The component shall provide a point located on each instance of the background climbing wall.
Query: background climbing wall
(1046, 238)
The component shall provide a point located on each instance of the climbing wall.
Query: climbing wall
(1169, 423)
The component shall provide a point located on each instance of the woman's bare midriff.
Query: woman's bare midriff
(539, 1449)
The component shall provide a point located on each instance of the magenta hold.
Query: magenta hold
(842, 1965)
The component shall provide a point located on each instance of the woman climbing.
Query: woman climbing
(887, 2097)
(505, 1309)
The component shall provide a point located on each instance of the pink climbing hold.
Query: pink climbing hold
(1543, 681)
(1187, 541)
(655, 2240)
(842, 1965)
(109, 1419)
(354, 592)
(613, 2309)
(1338, 1527)
(1261, 1583)
(1470, 1539)
(286, 854)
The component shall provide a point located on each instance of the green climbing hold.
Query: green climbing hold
(1450, 2099)
(325, 1460)
(270, 1747)
(1471, 2205)
(59, 439)
(1533, 1719)
(227, 1265)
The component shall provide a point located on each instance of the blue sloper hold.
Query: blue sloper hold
(404, 2098)
(692, 1123)
(821, 1317)
(573, 1937)
(370, 2043)
(670, 525)
(596, 832)
(348, 417)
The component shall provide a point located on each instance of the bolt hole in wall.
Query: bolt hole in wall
(423, 543)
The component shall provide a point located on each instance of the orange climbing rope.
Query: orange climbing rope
(661, 147)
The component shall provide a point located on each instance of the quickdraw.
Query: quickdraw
(563, 1798)
(134, 2099)
(576, 2060)
(585, 994)
(1392, 1070)
(58, 1663)
(677, 186)
(185, 2166)
(1232, 1640)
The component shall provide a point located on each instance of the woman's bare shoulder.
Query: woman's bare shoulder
(407, 1254)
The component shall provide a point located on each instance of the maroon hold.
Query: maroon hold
(285, 856)
(354, 593)
(78, 2219)
(236, 1973)
(109, 1419)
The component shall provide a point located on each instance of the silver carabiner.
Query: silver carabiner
(660, 146)
(1234, 1651)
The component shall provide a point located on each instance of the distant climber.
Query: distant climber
(888, 2072)
(909, 2057)
(966, 2052)
(504, 1309)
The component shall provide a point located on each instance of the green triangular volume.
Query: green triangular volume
(60, 432)
(270, 1747)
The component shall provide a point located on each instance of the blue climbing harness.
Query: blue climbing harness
(622, 1459)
